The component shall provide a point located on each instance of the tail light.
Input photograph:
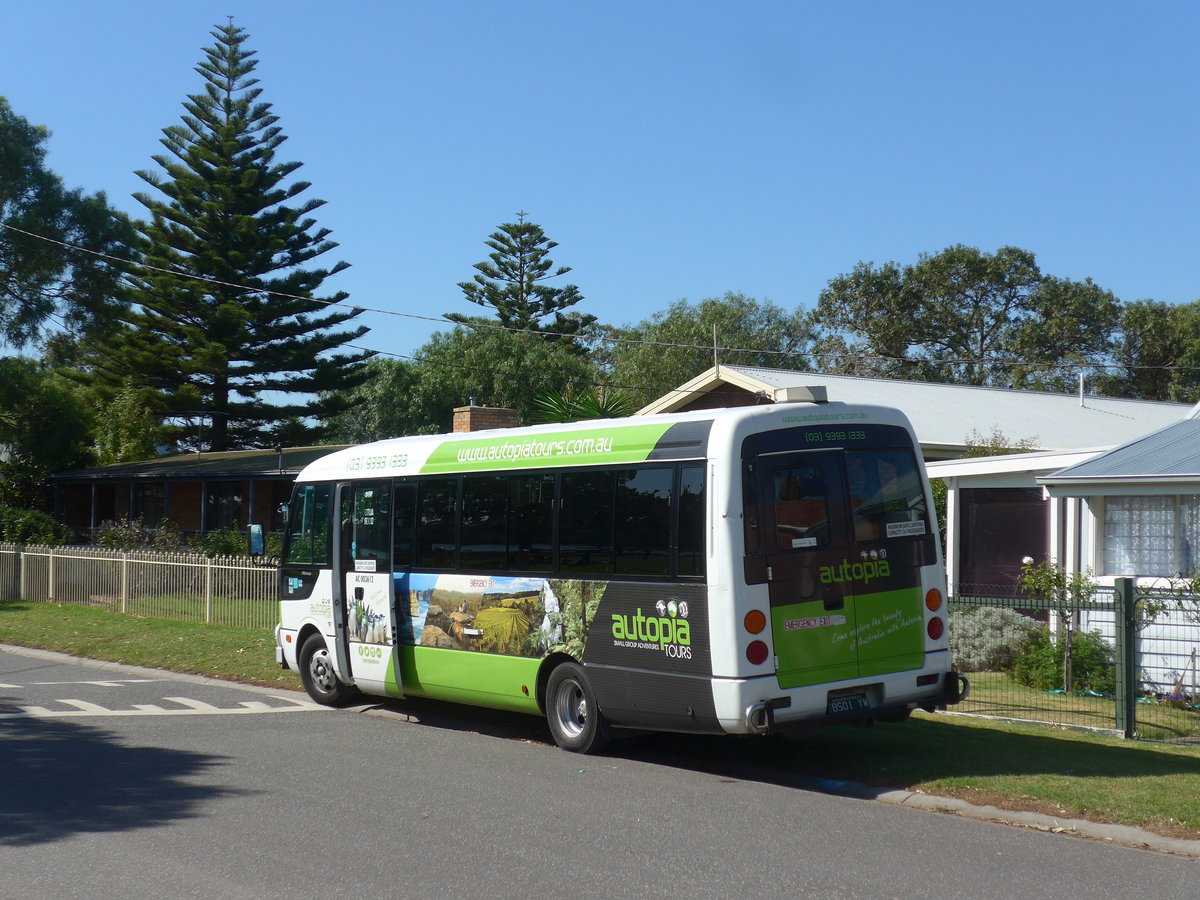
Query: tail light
(936, 628)
(933, 600)
(757, 652)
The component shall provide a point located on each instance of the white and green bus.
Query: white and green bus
(726, 571)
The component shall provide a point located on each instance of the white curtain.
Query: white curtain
(1141, 536)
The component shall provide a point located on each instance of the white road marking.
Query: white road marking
(85, 706)
(118, 683)
(191, 708)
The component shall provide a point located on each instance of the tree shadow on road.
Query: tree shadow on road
(60, 778)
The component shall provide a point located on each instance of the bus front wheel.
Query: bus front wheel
(575, 720)
(319, 675)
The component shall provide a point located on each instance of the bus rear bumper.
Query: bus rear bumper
(760, 706)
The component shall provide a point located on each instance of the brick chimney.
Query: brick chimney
(481, 418)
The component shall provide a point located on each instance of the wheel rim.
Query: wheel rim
(570, 709)
(320, 670)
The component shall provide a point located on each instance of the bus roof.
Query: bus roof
(670, 436)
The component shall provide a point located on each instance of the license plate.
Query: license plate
(848, 703)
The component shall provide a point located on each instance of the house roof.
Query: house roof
(1010, 463)
(1169, 454)
(194, 466)
(946, 416)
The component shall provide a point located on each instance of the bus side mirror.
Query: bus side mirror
(258, 545)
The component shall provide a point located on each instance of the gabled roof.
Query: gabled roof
(195, 466)
(1041, 462)
(1169, 454)
(945, 416)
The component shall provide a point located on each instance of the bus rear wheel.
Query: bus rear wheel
(571, 710)
(319, 675)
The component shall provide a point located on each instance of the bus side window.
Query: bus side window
(404, 498)
(436, 538)
(483, 521)
(585, 522)
(690, 510)
(643, 521)
(371, 535)
(308, 525)
(531, 522)
(750, 507)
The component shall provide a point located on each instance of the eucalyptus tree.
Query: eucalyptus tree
(963, 315)
(61, 250)
(648, 358)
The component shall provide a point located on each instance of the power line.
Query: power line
(602, 338)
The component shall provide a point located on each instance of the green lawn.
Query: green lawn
(236, 654)
(995, 694)
(1066, 773)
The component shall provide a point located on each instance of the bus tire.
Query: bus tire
(572, 712)
(318, 674)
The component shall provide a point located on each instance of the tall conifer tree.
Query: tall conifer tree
(224, 346)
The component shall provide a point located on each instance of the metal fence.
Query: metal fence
(184, 586)
(1123, 659)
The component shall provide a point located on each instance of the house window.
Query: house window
(1151, 535)
(225, 505)
(998, 528)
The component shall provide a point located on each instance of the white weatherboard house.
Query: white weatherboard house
(997, 509)
(1143, 501)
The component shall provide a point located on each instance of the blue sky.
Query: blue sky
(673, 149)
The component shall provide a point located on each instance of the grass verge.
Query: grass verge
(235, 654)
(1019, 767)
(996, 694)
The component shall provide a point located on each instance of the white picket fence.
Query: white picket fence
(183, 586)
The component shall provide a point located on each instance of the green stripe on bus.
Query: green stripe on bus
(464, 676)
(623, 444)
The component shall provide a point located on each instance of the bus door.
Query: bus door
(368, 628)
(804, 534)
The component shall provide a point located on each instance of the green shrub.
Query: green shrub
(1040, 662)
(235, 542)
(136, 535)
(986, 639)
(224, 542)
(28, 526)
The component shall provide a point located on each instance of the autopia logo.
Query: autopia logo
(669, 631)
(866, 571)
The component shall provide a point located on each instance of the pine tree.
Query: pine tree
(511, 282)
(219, 347)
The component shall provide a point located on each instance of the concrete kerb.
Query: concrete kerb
(1116, 834)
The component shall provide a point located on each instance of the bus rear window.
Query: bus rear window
(801, 507)
(886, 495)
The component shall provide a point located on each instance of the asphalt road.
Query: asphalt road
(117, 783)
